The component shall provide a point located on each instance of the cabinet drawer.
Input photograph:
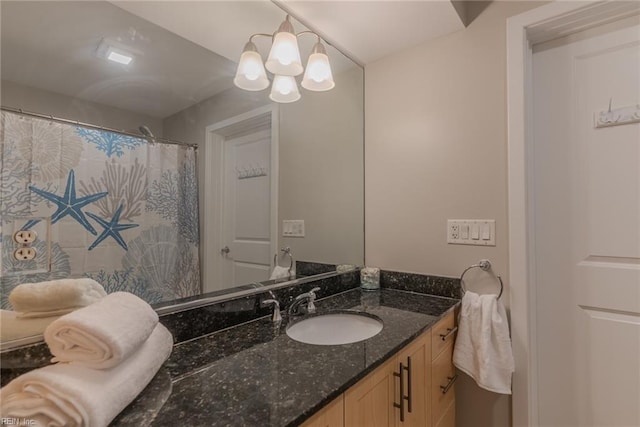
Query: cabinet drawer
(441, 334)
(443, 387)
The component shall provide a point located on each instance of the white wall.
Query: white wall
(63, 106)
(436, 149)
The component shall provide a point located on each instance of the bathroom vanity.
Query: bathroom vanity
(254, 374)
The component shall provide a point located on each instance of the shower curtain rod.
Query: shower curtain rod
(154, 139)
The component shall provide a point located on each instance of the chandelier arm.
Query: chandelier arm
(260, 34)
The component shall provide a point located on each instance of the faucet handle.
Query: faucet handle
(311, 307)
(276, 309)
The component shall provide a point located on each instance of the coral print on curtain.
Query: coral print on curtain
(122, 211)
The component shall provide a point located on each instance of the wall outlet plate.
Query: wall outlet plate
(477, 232)
(26, 246)
(293, 228)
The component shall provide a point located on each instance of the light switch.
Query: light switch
(464, 232)
(475, 232)
(486, 232)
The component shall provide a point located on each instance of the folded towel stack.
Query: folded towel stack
(483, 345)
(54, 298)
(108, 353)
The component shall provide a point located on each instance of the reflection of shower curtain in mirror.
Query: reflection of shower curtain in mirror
(122, 211)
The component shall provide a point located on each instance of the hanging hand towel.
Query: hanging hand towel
(281, 273)
(54, 298)
(103, 334)
(73, 396)
(483, 345)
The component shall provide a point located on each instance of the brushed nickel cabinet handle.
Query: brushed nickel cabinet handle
(450, 332)
(445, 388)
(401, 404)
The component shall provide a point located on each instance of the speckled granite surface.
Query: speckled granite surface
(255, 375)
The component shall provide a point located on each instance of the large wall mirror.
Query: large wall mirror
(156, 174)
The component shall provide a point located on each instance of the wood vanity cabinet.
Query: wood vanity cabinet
(428, 378)
(331, 416)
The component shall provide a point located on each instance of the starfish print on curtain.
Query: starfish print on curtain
(111, 228)
(69, 203)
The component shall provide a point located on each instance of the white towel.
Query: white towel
(54, 298)
(72, 396)
(483, 346)
(281, 273)
(103, 334)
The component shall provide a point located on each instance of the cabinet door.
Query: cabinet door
(369, 403)
(417, 382)
(330, 416)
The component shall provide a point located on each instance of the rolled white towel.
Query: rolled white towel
(55, 297)
(73, 396)
(103, 334)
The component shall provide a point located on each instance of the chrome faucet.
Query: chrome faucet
(276, 318)
(309, 297)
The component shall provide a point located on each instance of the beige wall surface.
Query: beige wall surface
(57, 105)
(436, 149)
(321, 172)
(321, 162)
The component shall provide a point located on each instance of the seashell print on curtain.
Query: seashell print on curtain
(123, 212)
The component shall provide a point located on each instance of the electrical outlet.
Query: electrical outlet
(25, 237)
(24, 254)
(453, 231)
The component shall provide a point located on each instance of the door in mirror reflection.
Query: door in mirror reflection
(246, 208)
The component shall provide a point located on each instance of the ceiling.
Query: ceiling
(370, 30)
(57, 53)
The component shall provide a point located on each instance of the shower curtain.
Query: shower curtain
(119, 209)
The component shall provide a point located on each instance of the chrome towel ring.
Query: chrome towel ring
(484, 265)
(286, 251)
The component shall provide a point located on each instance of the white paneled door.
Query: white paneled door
(587, 229)
(247, 209)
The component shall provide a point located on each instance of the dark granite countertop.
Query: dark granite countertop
(255, 375)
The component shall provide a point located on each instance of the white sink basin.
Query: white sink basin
(335, 328)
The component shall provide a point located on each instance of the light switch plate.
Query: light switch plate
(477, 232)
(293, 228)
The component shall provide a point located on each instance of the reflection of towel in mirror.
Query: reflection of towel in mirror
(54, 298)
(103, 334)
(483, 345)
(13, 327)
(71, 395)
(281, 273)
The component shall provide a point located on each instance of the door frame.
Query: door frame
(213, 192)
(545, 23)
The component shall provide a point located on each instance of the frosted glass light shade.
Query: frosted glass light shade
(251, 74)
(284, 56)
(318, 76)
(284, 89)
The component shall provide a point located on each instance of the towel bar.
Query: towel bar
(484, 265)
(286, 251)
